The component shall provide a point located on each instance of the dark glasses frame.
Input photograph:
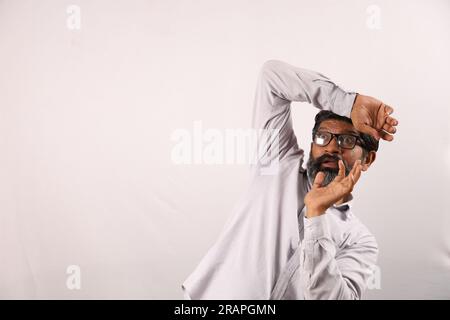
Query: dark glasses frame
(339, 140)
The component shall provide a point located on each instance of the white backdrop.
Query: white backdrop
(91, 92)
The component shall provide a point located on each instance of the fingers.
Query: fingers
(391, 121)
(388, 109)
(389, 124)
(389, 128)
(345, 186)
(374, 133)
(341, 173)
(353, 177)
(318, 180)
(356, 166)
(386, 136)
(357, 171)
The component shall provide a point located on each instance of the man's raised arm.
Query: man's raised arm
(279, 83)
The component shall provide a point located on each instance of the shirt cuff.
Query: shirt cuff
(343, 102)
(316, 228)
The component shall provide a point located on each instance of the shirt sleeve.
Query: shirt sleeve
(279, 84)
(332, 275)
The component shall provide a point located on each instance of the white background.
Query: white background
(86, 118)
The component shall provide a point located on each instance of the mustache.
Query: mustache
(327, 157)
(314, 165)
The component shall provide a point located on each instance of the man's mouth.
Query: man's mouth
(330, 164)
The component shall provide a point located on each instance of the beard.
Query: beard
(313, 166)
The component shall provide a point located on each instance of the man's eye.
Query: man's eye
(348, 139)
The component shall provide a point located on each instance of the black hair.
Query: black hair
(369, 143)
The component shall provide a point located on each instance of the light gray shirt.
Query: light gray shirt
(268, 249)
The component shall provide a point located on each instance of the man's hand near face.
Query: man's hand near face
(371, 116)
(319, 198)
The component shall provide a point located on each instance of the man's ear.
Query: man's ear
(370, 158)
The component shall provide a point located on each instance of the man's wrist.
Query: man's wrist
(312, 212)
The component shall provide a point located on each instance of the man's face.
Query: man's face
(325, 158)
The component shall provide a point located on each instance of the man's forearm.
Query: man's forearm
(297, 84)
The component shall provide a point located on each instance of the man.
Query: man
(294, 235)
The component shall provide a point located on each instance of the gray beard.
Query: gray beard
(313, 166)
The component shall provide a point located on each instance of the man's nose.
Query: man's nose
(333, 146)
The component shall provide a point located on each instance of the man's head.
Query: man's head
(334, 138)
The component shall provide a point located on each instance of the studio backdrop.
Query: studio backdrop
(95, 97)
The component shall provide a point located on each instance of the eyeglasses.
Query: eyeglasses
(345, 141)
